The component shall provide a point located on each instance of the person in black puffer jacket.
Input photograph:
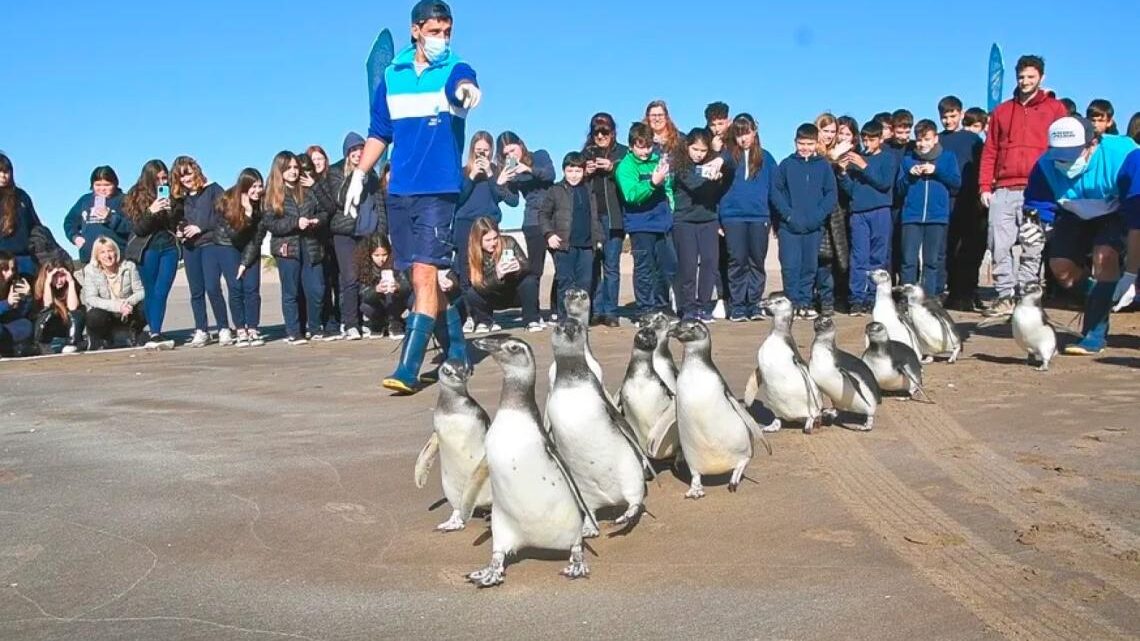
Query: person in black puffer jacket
(155, 244)
(603, 153)
(384, 290)
(501, 278)
(292, 217)
(240, 234)
(198, 199)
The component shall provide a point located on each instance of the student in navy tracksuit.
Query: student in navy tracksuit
(927, 178)
(484, 187)
(88, 220)
(569, 218)
(603, 153)
(966, 235)
(530, 175)
(698, 185)
(804, 195)
(745, 217)
(868, 181)
(198, 201)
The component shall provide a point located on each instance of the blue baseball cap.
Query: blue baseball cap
(430, 9)
(1068, 137)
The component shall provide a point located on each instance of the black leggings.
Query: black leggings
(50, 326)
(101, 324)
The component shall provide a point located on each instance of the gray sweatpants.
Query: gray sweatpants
(1011, 272)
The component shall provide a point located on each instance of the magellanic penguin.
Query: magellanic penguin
(895, 365)
(577, 303)
(460, 426)
(936, 331)
(537, 504)
(645, 400)
(662, 358)
(717, 433)
(845, 379)
(1032, 329)
(886, 312)
(601, 450)
(781, 379)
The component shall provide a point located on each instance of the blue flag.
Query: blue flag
(383, 51)
(996, 78)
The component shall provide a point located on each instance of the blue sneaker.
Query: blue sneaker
(706, 318)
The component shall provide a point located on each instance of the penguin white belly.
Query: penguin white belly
(713, 438)
(783, 389)
(889, 379)
(934, 338)
(643, 402)
(886, 314)
(606, 468)
(535, 505)
(665, 370)
(460, 450)
(842, 393)
(1031, 334)
(591, 362)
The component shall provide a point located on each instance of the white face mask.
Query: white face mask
(1074, 169)
(436, 49)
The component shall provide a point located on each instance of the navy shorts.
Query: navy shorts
(1074, 237)
(420, 227)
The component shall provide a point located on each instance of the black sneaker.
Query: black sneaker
(827, 310)
(857, 309)
(612, 321)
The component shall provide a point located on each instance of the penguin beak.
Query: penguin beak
(674, 331)
(488, 344)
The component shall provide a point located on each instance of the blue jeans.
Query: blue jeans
(203, 273)
(158, 269)
(870, 250)
(825, 282)
(747, 244)
(573, 268)
(654, 267)
(927, 239)
(220, 262)
(799, 261)
(698, 261)
(609, 284)
(244, 293)
(297, 275)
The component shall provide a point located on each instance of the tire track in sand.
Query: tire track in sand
(963, 565)
(1087, 541)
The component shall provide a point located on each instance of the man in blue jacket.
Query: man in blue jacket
(420, 108)
(1081, 186)
(804, 194)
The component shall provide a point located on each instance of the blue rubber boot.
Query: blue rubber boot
(452, 343)
(405, 379)
(1095, 326)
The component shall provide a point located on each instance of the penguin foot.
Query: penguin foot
(866, 427)
(829, 416)
(809, 424)
(955, 354)
(589, 531)
(696, 490)
(577, 568)
(928, 359)
(737, 476)
(773, 427)
(629, 515)
(453, 524)
(491, 575)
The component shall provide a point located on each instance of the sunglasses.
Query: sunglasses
(602, 131)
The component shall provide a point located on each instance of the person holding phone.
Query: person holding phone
(18, 219)
(154, 244)
(531, 177)
(501, 278)
(698, 185)
(484, 188)
(603, 153)
(112, 293)
(331, 303)
(384, 290)
(197, 199)
(98, 213)
(15, 309)
(239, 236)
(292, 217)
(61, 315)
(833, 249)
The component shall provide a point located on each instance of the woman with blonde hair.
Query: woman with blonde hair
(500, 278)
(112, 293)
(291, 215)
(833, 253)
(484, 187)
(197, 200)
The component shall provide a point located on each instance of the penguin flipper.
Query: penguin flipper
(814, 397)
(752, 387)
(624, 428)
(910, 376)
(666, 424)
(749, 422)
(855, 383)
(474, 486)
(425, 460)
(994, 321)
(552, 452)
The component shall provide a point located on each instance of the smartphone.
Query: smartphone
(1032, 216)
(508, 255)
(512, 162)
(387, 276)
(164, 192)
(100, 202)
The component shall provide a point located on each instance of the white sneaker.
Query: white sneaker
(718, 311)
(296, 341)
(535, 326)
(201, 339)
(69, 349)
(482, 328)
(255, 339)
(225, 337)
(366, 332)
(469, 325)
(242, 338)
(495, 327)
(352, 335)
(333, 337)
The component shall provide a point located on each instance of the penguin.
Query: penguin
(663, 362)
(937, 333)
(887, 313)
(538, 503)
(600, 448)
(577, 303)
(1032, 329)
(716, 432)
(645, 400)
(460, 425)
(845, 379)
(781, 378)
(895, 365)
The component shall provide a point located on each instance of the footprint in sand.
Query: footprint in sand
(351, 512)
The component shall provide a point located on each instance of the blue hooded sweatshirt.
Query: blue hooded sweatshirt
(871, 188)
(201, 210)
(926, 199)
(805, 193)
(748, 199)
(115, 226)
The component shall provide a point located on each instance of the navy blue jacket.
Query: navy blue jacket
(533, 186)
(695, 198)
(870, 188)
(748, 199)
(18, 243)
(115, 226)
(480, 198)
(967, 148)
(926, 199)
(201, 210)
(804, 193)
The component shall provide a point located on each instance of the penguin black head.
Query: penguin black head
(645, 340)
(1032, 294)
(577, 302)
(512, 354)
(879, 276)
(657, 321)
(824, 328)
(912, 294)
(690, 331)
(779, 304)
(568, 336)
(877, 333)
(453, 375)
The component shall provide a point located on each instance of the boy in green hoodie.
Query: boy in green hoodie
(646, 185)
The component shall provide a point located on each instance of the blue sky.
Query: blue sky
(232, 83)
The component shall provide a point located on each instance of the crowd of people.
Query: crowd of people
(698, 210)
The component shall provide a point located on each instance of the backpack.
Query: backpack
(367, 218)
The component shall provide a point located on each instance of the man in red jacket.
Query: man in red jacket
(1018, 134)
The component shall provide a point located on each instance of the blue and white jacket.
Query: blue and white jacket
(1112, 175)
(420, 114)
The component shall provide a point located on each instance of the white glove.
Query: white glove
(1030, 234)
(444, 278)
(469, 95)
(1125, 292)
(355, 190)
